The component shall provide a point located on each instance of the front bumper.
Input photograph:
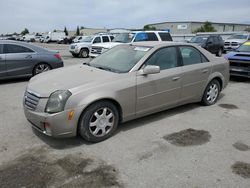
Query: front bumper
(74, 50)
(239, 68)
(54, 125)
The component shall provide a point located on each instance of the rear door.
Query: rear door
(196, 70)
(3, 72)
(18, 59)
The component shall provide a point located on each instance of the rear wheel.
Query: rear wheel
(84, 53)
(211, 93)
(99, 121)
(42, 67)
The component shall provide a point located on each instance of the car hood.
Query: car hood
(236, 40)
(107, 44)
(245, 56)
(80, 44)
(68, 78)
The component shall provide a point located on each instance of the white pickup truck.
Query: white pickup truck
(235, 41)
(130, 37)
(82, 48)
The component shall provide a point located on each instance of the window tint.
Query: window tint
(152, 37)
(141, 37)
(165, 58)
(97, 40)
(165, 36)
(12, 48)
(112, 37)
(210, 39)
(1, 49)
(216, 40)
(105, 39)
(191, 56)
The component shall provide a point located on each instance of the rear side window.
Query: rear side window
(165, 36)
(105, 39)
(165, 58)
(12, 48)
(112, 37)
(141, 37)
(191, 56)
(1, 49)
(152, 37)
(216, 40)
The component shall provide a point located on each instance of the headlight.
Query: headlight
(57, 101)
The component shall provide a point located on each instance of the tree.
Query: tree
(207, 27)
(247, 29)
(77, 31)
(66, 31)
(25, 31)
(148, 27)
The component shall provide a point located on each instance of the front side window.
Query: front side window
(12, 48)
(191, 56)
(120, 59)
(165, 58)
(97, 40)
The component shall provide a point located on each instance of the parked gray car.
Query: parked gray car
(20, 59)
(126, 82)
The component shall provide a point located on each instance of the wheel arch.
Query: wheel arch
(41, 62)
(111, 100)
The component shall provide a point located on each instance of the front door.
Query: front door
(162, 90)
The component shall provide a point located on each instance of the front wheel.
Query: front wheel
(211, 93)
(84, 53)
(99, 121)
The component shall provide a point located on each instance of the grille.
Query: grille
(31, 100)
(96, 50)
(235, 44)
(227, 43)
(72, 46)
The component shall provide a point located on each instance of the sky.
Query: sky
(47, 15)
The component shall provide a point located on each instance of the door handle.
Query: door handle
(204, 71)
(176, 78)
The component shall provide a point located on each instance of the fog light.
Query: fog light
(71, 115)
(47, 128)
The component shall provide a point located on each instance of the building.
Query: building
(188, 27)
(91, 31)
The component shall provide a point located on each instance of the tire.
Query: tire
(40, 68)
(84, 53)
(211, 93)
(219, 53)
(104, 118)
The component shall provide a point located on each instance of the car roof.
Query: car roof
(160, 43)
(26, 44)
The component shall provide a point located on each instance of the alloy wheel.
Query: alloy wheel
(212, 93)
(42, 68)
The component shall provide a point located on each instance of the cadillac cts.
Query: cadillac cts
(124, 83)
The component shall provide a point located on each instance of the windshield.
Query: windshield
(198, 39)
(124, 37)
(120, 59)
(244, 47)
(238, 37)
(88, 39)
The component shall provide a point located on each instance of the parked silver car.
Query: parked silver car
(126, 82)
(20, 59)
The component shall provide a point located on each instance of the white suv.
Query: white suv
(235, 41)
(82, 48)
(130, 37)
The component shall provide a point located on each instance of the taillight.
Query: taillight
(58, 56)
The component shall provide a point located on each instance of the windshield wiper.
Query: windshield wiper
(107, 69)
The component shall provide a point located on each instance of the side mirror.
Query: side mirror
(209, 42)
(150, 69)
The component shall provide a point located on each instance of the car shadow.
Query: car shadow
(239, 79)
(14, 81)
(66, 143)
